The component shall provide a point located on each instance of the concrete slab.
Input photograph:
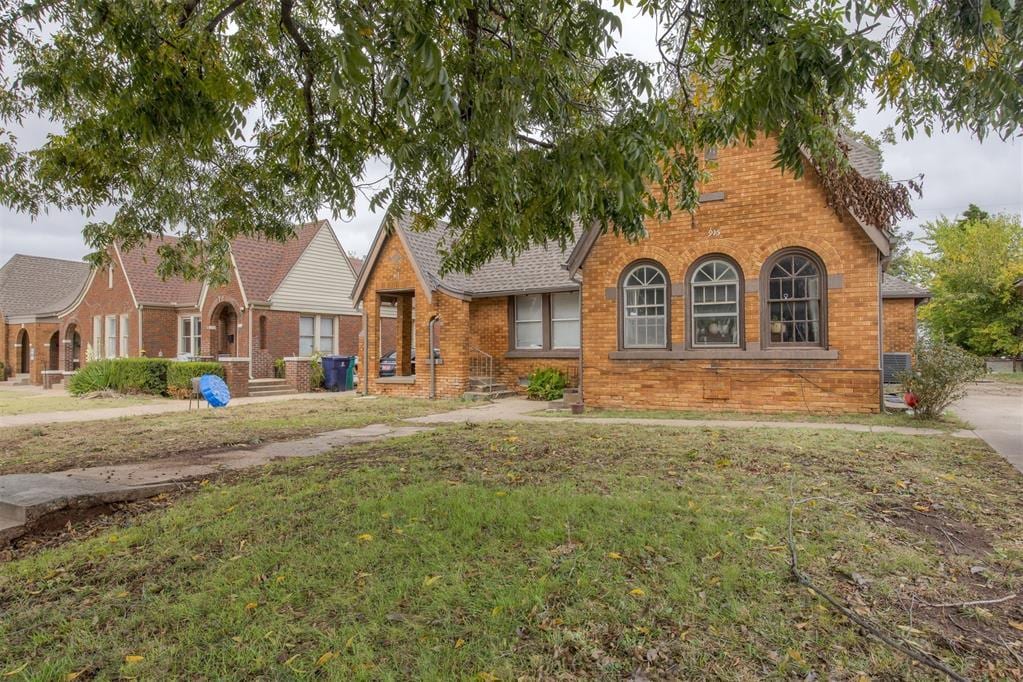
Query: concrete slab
(996, 412)
(26, 498)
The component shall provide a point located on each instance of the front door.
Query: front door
(23, 353)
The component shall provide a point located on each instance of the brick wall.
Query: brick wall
(236, 376)
(489, 332)
(217, 299)
(393, 271)
(37, 338)
(899, 325)
(103, 299)
(349, 328)
(762, 212)
(159, 332)
(297, 373)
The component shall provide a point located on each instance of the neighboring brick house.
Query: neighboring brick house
(764, 299)
(900, 301)
(33, 290)
(280, 300)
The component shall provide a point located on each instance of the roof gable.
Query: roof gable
(262, 264)
(539, 268)
(35, 286)
(147, 286)
(321, 280)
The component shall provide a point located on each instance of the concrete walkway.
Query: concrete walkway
(996, 413)
(25, 499)
(155, 407)
(518, 409)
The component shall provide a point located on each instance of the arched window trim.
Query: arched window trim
(628, 270)
(765, 298)
(741, 293)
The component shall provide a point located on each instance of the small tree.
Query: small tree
(942, 372)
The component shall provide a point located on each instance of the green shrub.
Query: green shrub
(316, 373)
(546, 383)
(279, 368)
(180, 375)
(940, 375)
(124, 375)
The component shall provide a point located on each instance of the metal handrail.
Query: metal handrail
(481, 365)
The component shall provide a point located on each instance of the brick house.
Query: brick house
(764, 299)
(281, 300)
(900, 300)
(33, 290)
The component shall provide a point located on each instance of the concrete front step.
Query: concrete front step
(488, 395)
(265, 387)
(262, 393)
(19, 380)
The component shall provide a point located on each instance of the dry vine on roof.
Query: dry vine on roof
(876, 201)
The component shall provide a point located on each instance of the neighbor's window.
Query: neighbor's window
(124, 336)
(529, 321)
(714, 299)
(645, 307)
(111, 346)
(97, 337)
(315, 335)
(795, 300)
(565, 320)
(189, 331)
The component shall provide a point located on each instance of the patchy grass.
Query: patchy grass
(1014, 378)
(59, 446)
(948, 422)
(15, 401)
(543, 551)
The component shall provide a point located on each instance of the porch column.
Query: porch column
(403, 336)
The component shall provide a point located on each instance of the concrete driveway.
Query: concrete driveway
(996, 412)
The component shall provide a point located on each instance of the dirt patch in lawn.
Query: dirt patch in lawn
(931, 521)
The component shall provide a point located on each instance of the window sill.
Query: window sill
(727, 354)
(397, 380)
(567, 353)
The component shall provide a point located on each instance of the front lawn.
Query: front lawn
(1015, 378)
(558, 551)
(26, 401)
(948, 421)
(59, 446)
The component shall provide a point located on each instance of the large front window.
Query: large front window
(714, 305)
(546, 322)
(645, 308)
(795, 300)
(111, 345)
(315, 335)
(189, 333)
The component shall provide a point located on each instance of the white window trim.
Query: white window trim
(626, 306)
(123, 338)
(110, 352)
(316, 333)
(97, 337)
(519, 321)
(195, 336)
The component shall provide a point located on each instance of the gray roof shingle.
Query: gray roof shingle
(863, 159)
(33, 286)
(538, 268)
(893, 287)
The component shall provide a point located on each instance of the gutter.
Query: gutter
(433, 360)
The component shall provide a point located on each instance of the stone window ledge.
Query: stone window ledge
(567, 353)
(397, 380)
(727, 354)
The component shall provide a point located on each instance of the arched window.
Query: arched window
(715, 304)
(644, 307)
(794, 300)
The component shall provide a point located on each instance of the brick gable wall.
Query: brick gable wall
(762, 212)
(393, 271)
(899, 325)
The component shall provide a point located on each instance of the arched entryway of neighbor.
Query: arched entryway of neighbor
(24, 352)
(72, 348)
(53, 362)
(225, 319)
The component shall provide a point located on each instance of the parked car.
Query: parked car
(389, 362)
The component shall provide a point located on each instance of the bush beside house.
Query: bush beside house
(943, 371)
(152, 376)
(546, 383)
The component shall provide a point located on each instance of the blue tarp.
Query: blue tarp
(214, 390)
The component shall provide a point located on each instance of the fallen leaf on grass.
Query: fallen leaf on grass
(251, 606)
(365, 537)
(430, 580)
(614, 555)
(15, 671)
(70, 677)
(326, 658)
(795, 655)
(133, 658)
(637, 592)
(459, 643)
(1016, 625)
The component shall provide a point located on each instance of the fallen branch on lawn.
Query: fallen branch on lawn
(979, 602)
(894, 642)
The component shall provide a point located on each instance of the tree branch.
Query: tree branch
(211, 26)
(305, 53)
(534, 141)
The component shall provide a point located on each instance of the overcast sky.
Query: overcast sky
(958, 170)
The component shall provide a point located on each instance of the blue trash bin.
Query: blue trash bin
(333, 375)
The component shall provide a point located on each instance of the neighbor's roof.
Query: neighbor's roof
(864, 160)
(147, 286)
(264, 263)
(33, 286)
(539, 268)
(893, 287)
